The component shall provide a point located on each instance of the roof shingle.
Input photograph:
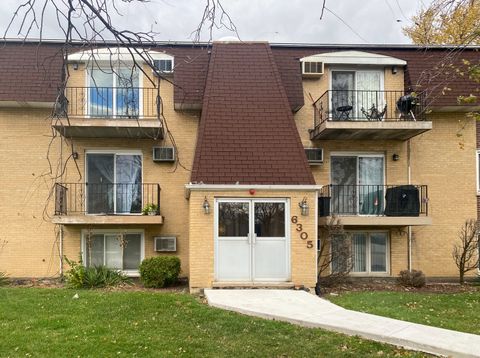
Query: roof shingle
(247, 133)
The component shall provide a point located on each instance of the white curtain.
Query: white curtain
(129, 183)
(368, 95)
(359, 252)
(371, 185)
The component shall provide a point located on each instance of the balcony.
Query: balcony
(106, 204)
(375, 205)
(349, 114)
(109, 112)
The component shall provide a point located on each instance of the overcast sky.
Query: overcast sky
(371, 21)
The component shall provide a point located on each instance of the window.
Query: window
(116, 250)
(114, 183)
(368, 250)
(356, 90)
(114, 93)
(357, 184)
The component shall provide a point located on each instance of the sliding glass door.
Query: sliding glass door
(114, 183)
(114, 93)
(353, 91)
(357, 184)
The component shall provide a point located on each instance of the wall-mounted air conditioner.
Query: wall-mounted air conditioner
(314, 155)
(165, 243)
(163, 154)
(312, 68)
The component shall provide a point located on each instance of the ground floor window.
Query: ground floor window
(368, 252)
(116, 250)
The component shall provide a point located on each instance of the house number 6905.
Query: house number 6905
(303, 234)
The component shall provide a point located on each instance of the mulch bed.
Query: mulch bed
(391, 286)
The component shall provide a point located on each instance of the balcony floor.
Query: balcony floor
(347, 130)
(108, 219)
(108, 128)
(390, 221)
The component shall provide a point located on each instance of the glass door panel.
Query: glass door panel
(100, 183)
(128, 170)
(378, 252)
(370, 180)
(342, 95)
(368, 92)
(233, 244)
(132, 251)
(359, 252)
(269, 244)
(127, 93)
(100, 93)
(113, 252)
(344, 185)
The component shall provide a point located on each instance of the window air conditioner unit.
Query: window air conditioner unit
(165, 243)
(314, 155)
(163, 66)
(312, 68)
(163, 154)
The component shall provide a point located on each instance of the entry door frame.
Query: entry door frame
(251, 235)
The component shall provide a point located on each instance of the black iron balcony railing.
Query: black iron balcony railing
(109, 102)
(373, 200)
(352, 105)
(106, 198)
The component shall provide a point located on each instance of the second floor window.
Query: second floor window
(114, 93)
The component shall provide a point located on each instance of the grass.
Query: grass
(50, 322)
(457, 311)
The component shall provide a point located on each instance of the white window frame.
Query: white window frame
(359, 154)
(130, 273)
(113, 68)
(355, 70)
(368, 259)
(115, 152)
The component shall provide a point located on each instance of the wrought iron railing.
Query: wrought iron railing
(109, 102)
(106, 198)
(374, 200)
(352, 105)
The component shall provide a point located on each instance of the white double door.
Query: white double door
(252, 240)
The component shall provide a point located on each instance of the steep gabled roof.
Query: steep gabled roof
(247, 133)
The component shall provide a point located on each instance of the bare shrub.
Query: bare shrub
(334, 254)
(465, 249)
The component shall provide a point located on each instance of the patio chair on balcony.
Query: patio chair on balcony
(374, 114)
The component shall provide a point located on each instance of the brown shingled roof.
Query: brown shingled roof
(247, 133)
(30, 73)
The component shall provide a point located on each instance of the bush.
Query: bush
(159, 271)
(412, 278)
(80, 276)
(3, 279)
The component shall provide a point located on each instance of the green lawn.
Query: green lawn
(457, 311)
(50, 323)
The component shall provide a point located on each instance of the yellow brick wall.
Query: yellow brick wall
(439, 158)
(32, 248)
(202, 249)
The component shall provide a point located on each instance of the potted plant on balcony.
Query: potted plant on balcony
(150, 209)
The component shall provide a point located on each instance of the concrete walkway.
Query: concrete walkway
(300, 307)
